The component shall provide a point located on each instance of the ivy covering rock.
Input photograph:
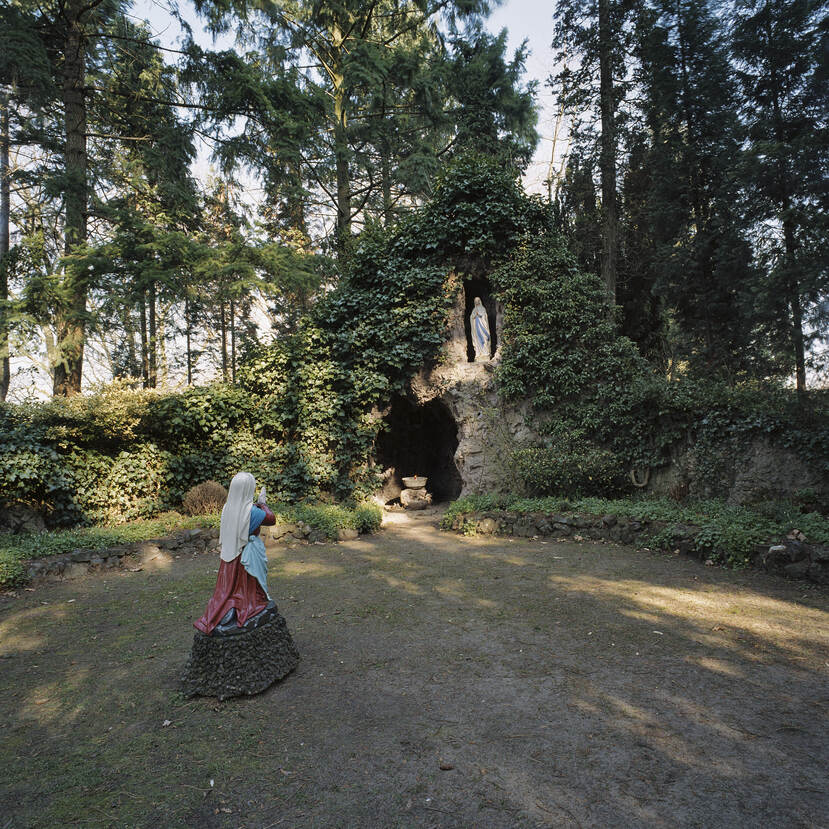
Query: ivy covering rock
(778, 537)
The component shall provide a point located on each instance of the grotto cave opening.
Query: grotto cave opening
(419, 440)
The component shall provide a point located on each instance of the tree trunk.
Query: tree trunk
(386, 173)
(163, 366)
(223, 323)
(145, 363)
(789, 237)
(694, 173)
(70, 321)
(607, 156)
(187, 338)
(232, 342)
(551, 167)
(5, 210)
(341, 150)
(129, 334)
(152, 373)
(385, 166)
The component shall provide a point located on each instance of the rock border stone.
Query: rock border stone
(793, 557)
(160, 552)
(153, 552)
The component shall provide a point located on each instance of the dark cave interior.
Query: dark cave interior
(421, 440)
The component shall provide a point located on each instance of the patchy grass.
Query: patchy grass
(566, 684)
(16, 549)
(732, 531)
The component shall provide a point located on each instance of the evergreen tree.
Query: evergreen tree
(780, 49)
(488, 109)
(349, 106)
(581, 209)
(27, 86)
(702, 261)
(591, 43)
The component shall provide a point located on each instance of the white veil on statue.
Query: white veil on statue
(235, 527)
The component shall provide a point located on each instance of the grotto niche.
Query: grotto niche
(419, 440)
(478, 286)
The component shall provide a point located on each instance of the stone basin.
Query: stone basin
(415, 482)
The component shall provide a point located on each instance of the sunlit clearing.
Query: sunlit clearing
(399, 584)
(457, 592)
(308, 568)
(789, 625)
(18, 633)
(48, 702)
(717, 665)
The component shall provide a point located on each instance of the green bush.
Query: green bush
(367, 518)
(587, 470)
(32, 472)
(202, 498)
(561, 349)
(329, 518)
(303, 419)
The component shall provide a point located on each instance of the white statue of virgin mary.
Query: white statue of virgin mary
(481, 340)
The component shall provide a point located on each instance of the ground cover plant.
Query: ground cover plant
(304, 415)
(300, 418)
(731, 532)
(16, 549)
(602, 409)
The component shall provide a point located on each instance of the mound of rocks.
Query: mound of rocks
(292, 532)
(796, 559)
(240, 665)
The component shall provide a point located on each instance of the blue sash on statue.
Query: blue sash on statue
(480, 332)
(255, 561)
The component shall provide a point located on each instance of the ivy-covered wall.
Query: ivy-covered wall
(607, 412)
(303, 419)
(306, 414)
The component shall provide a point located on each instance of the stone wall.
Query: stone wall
(158, 553)
(792, 557)
(759, 471)
(153, 553)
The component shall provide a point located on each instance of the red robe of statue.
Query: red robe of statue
(235, 587)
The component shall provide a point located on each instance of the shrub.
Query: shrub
(367, 518)
(570, 470)
(204, 498)
(32, 472)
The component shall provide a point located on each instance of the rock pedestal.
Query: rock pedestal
(415, 498)
(242, 664)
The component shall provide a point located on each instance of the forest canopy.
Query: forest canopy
(694, 185)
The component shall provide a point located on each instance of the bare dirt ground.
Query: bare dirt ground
(445, 681)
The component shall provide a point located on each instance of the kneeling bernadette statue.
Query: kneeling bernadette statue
(242, 644)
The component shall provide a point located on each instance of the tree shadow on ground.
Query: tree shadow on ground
(583, 685)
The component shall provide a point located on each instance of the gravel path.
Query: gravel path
(445, 681)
